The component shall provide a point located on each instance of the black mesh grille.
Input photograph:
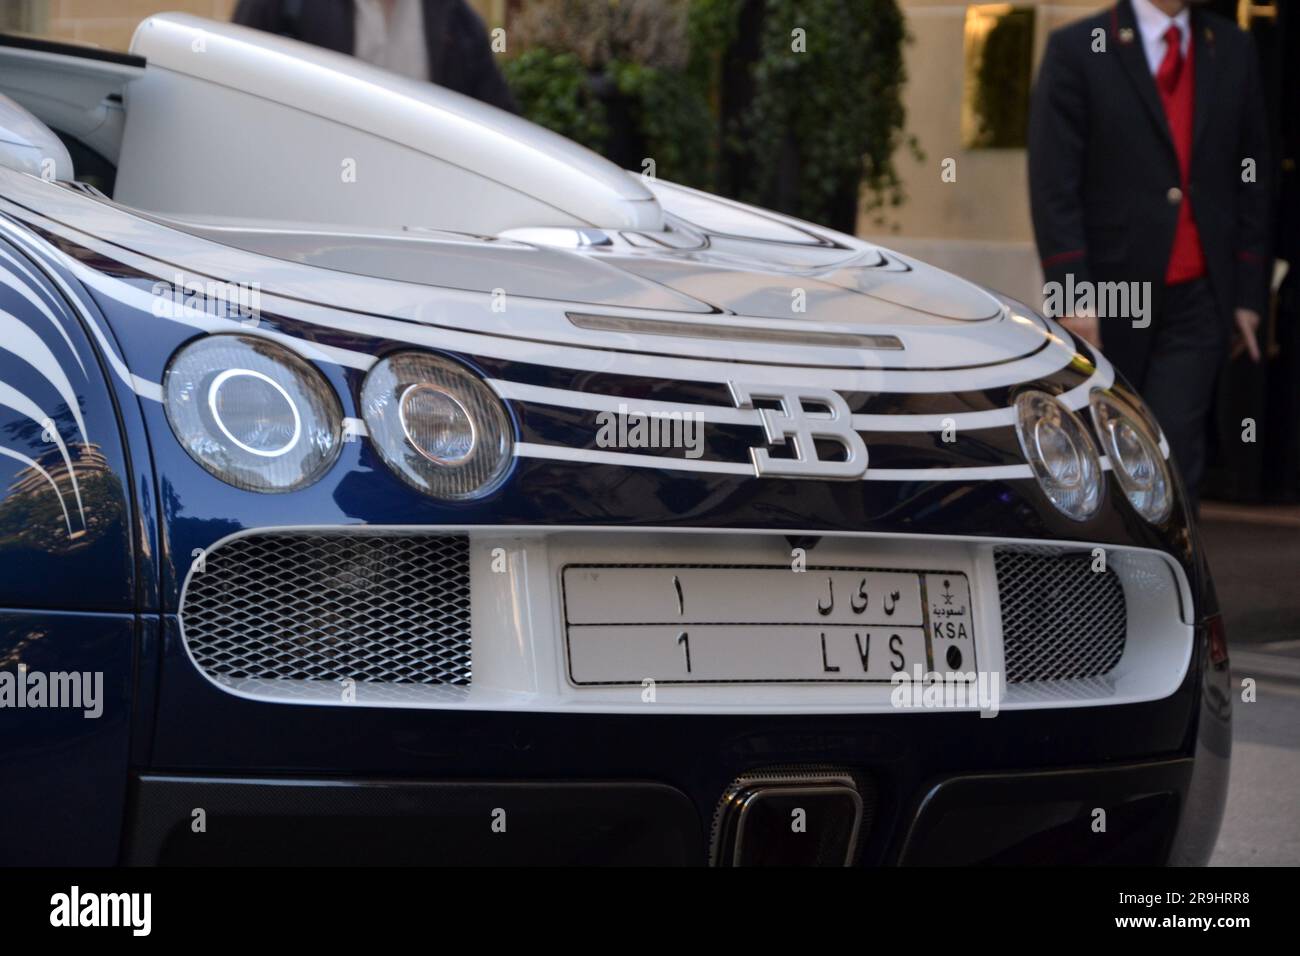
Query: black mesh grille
(373, 607)
(1061, 620)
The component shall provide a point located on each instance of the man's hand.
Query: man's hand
(1085, 325)
(1247, 326)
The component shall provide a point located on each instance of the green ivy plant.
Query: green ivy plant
(584, 59)
(830, 117)
(553, 90)
(712, 27)
(806, 132)
(672, 118)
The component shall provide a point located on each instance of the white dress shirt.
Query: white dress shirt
(395, 43)
(1152, 24)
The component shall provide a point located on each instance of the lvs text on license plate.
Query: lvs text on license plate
(625, 624)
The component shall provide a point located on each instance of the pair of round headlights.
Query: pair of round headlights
(1064, 459)
(261, 418)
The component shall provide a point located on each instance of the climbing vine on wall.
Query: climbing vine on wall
(791, 104)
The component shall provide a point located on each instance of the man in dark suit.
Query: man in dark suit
(442, 41)
(1148, 163)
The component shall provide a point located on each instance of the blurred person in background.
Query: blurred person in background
(1148, 163)
(442, 41)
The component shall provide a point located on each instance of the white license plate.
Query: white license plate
(625, 624)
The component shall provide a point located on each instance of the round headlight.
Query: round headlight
(252, 413)
(1134, 452)
(1060, 453)
(437, 425)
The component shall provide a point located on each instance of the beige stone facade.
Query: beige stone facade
(110, 23)
(989, 200)
(106, 23)
(979, 225)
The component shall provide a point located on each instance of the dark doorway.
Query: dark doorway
(1268, 469)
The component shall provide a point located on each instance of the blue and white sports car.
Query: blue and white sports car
(384, 478)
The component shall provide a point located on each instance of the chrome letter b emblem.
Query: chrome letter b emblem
(829, 419)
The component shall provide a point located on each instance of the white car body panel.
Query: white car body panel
(521, 661)
(29, 146)
(285, 138)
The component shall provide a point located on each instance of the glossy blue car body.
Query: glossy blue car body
(106, 600)
(103, 513)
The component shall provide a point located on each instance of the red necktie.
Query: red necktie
(1172, 64)
(1186, 260)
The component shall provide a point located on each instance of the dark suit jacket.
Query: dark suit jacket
(460, 57)
(1102, 167)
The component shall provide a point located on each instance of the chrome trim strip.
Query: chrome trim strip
(737, 333)
(631, 460)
